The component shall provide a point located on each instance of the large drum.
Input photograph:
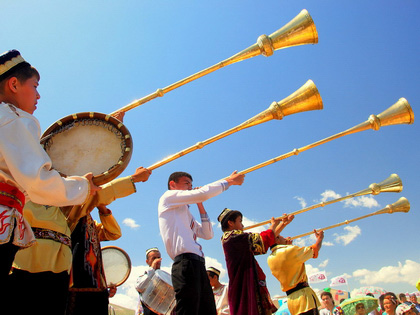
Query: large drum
(88, 142)
(159, 295)
(117, 265)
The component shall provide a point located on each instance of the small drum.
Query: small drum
(88, 142)
(159, 295)
(117, 265)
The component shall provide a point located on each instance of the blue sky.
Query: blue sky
(101, 55)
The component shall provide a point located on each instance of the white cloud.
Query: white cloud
(301, 200)
(324, 243)
(247, 222)
(352, 233)
(407, 272)
(324, 263)
(130, 223)
(310, 269)
(363, 201)
(329, 194)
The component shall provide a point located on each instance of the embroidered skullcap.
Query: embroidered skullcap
(153, 249)
(405, 307)
(10, 60)
(226, 214)
(214, 270)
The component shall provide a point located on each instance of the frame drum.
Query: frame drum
(88, 142)
(117, 265)
(159, 295)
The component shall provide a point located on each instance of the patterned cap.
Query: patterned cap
(9, 60)
(153, 249)
(216, 271)
(225, 215)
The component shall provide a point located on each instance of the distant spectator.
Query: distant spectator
(402, 297)
(413, 299)
(390, 303)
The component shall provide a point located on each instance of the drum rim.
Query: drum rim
(118, 168)
(128, 260)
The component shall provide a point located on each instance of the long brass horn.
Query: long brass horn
(306, 98)
(401, 205)
(392, 184)
(299, 31)
(399, 113)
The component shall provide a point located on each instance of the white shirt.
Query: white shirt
(25, 165)
(177, 225)
(221, 300)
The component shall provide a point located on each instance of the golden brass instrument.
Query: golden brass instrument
(391, 184)
(299, 31)
(306, 98)
(401, 205)
(399, 113)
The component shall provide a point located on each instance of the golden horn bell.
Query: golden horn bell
(306, 98)
(401, 205)
(392, 184)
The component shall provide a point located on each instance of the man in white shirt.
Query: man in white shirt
(179, 231)
(153, 260)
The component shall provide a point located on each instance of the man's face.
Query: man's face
(327, 301)
(237, 224)
(413, 299)
(152, 256)
(212, 279)
(360, 309)
(27, 95)
(184, 183)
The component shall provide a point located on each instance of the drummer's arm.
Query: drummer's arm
(108, 229)
(122, 187)
(141, 283)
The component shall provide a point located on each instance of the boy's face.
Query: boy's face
(26, 94)
(184, 183)
(237, 224)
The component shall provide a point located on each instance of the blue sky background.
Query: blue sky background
(101, 55)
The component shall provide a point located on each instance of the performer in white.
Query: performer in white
(153, 260)
(179, 231)
(220, 291)
(25, 168)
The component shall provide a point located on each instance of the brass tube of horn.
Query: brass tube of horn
(391, 184)
(399, 113)
(299, 31)
(306, 98)
(401, 205)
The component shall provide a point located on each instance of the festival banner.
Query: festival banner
(339, 280)
(318, 277)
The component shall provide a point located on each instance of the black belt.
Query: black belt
(189, 256)
(300, 285)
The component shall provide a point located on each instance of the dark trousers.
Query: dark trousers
(7, 255)
(46, 292)
(88, 303)
(193, 292)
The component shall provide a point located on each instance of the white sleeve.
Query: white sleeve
(143, 280)
(177, 198)
(30, 166)
(205, 229)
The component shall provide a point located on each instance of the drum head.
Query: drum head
(88, 142)
(117, 265)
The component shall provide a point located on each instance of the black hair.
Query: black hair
(230, 217)
(176, 176)
(212, 274)
(22, 71)
(328, 294)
